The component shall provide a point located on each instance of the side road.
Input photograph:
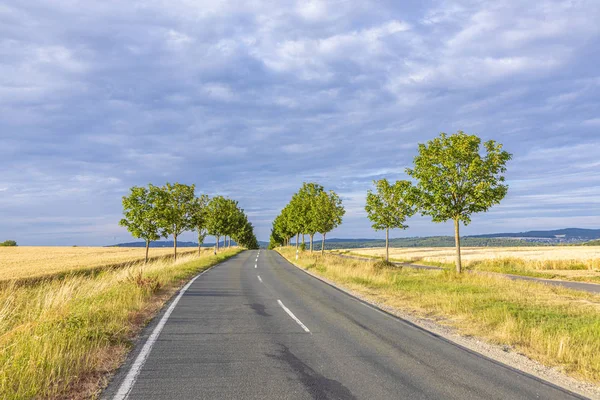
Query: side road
(587, 287)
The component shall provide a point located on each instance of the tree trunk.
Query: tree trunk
(457, 239)
(218, 238)
(175, 246)
(297, 240)
(147, 246)
(387, 244)
(199, 244)
(303, 240)
(229, 242)
(311, 243)
(323, 245)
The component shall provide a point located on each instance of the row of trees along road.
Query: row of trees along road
(311, 210)
(161, 211)
(453, 180)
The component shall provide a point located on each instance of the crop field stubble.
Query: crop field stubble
(32, 262)
(580, 263)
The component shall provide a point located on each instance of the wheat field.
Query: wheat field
(469, 254)
(31, 261)
(536, 258)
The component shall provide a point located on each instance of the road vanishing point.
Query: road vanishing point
(257, 327)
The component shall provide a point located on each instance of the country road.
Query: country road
(257, 327)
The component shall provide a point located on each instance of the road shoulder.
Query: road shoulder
(502, 354)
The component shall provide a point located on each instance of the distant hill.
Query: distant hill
(165, 243)
(592, 243)
(568, 233)
(169, 243)
(431, 241)
(531, 238)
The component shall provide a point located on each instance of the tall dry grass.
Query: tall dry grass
(581, 263)
(59, 338)
(553, 325)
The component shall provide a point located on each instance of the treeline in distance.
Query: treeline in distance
(311, 210)
(161, 211)
(453, 177)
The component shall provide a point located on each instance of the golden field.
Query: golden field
(561, 262)
(31, 262)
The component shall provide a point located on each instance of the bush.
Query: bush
(8, 243)
(383, 264)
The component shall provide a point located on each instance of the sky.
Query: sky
(250, 99)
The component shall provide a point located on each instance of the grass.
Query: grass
(26, 262)
(553, 325)
(575, 263)
(61, 337)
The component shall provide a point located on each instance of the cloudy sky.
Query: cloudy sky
(249, 99)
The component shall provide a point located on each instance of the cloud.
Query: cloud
(250, 99)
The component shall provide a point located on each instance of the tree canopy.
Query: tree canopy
(454, 180)
(389, 207)
(311, 210)
(141, 217)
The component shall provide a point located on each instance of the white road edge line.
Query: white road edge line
(259, 278)
(291, 314)
(136, 367)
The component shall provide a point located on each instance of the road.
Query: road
(257, 327)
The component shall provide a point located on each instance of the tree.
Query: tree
(454, 180)
(307, 198)
(199, 217)
(216, 221)
(8, 243)
(176, 207)
(140, 209)
(329, 214)
(297, 218)
(389, 207)
(245, 235)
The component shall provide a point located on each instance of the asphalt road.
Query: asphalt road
(264, 329)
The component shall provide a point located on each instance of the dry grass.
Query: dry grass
(60, 337)
(547, 262)
(30, 262)
(553, 325)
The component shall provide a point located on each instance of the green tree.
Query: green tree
(454, 180)
(216, 221)
(244, 236)
(199, 218)
(141, 217)
(308, 195)
(298, 218)
(389, 207)
(176, 207)
(329, 214)
(8, 243)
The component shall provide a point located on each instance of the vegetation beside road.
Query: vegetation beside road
(60, 338)
(553, 325)
(575, 263)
